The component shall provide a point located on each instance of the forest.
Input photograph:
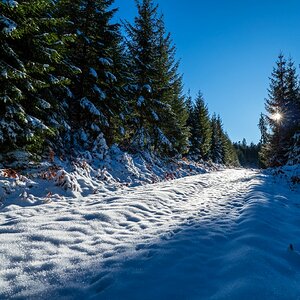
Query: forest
(73, 80)
(117, 183)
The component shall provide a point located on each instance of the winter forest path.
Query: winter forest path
(221, 235)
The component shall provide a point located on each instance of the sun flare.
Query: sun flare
(277, 116)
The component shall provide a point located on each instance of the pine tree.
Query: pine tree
(189, 107)
(201, 130)
(175, 126)
(99, 101)
(264, 151)
(217, 147)
(32, 74)
(276, 105)
(247, 154)
(222, 150)
(283, 110)
(121, 94)
(142, 48)
(294, 151)
(159, 112)
(230, 157)
(292, 118)
(263, 129)
(170, 92)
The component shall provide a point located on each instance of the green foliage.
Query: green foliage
(68, 79)
(31, 71)
(201, 130)
(247, 154)
(98, 95)
(277, 133)
(158, 106)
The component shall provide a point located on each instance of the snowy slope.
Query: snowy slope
(27, 183)
(220, 235)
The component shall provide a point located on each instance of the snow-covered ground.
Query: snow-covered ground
(27, 183)
(219, 235)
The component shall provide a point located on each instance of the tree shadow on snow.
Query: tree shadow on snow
(238, 251)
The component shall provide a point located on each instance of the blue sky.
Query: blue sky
(227, 50)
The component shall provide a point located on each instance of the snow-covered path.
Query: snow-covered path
(221, 235)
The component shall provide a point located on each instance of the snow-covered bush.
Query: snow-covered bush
(67, 181)
(100, 148)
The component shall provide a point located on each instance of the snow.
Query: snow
(69, 92)
(155, 116)
(111, 77)
(93, 73)
(36, 123)
(105, 61)
(88, 105)
(148, 88)
(10, 3)
(44, 104)
(10, 25)
(99, 92)
(95, 127)
(218, 235)
(163, 139)
(4, 74)
(140, 101)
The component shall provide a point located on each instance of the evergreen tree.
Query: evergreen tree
(175, 127)
(217, 147)
(32, 74)
(263, 129)
(201, 130)
(292, 105)
(276, 107)
(230, 157)
(222, 150)
(247, 154)
(283, 110)
(294, 151)
(170, 92)
(159, 112)
(99, 101)
(264, 144)
(190, 109)
(143, 53)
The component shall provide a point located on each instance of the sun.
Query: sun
(277, 116)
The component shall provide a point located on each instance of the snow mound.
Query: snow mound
(67, 181)
(290, 174)
(104, 169)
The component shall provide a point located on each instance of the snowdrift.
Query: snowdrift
(24, 183)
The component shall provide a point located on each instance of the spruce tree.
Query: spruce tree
(217, 146)
(276, 107)
(99, 101)
(247, 154)
(292, 118)
(294, 151)
(201, 130)
(283, 110)
(142, 47)
(32, 74)
(170, 92)
(264, 151)
(222, 149)
(159, 112)
(230, 157)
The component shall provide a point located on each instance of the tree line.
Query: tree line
(248, 155)
(69, 77)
